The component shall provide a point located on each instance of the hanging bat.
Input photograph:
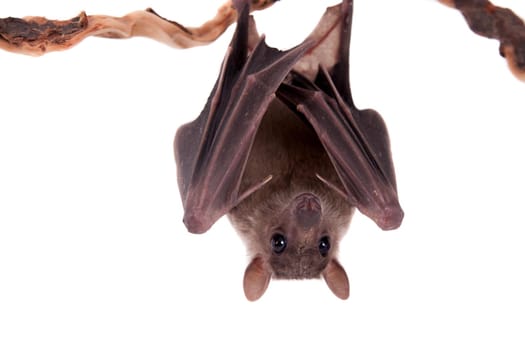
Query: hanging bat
(281, 148)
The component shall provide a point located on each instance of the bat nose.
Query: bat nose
(307, 210)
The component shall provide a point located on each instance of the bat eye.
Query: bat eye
(324, 246)
(278, 243)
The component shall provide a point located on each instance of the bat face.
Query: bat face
(293, 225)
(296, 236)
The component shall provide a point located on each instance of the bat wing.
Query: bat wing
(211, 152)
(356, 140)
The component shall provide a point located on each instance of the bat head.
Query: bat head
(295, 236)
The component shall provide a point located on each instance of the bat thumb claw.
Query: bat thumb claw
(254, 188)
(391, 218)
(195, 222)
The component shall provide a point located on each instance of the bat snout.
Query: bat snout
(307, 210)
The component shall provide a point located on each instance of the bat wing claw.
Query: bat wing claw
(194, 222)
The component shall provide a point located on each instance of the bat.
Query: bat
(281, 149)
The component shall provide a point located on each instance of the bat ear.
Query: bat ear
(336, 279)
(256, 279)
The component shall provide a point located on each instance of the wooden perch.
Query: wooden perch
(38, 35)
(498, 23)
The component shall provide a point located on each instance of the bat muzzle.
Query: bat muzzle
(307, 210)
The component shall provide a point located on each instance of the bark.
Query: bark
(39, 35)
(498, 23)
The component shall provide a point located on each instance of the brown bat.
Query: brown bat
(281, 148)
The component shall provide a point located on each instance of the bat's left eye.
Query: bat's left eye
(324, 246)
(278, 243)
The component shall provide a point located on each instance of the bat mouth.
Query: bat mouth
(307, 209)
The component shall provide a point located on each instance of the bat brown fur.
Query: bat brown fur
(289, 149)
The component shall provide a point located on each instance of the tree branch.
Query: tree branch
(38, 35)
(499, 23)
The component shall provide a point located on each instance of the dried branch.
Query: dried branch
(38, 35)
(498, 23)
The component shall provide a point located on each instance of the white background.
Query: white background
(93, 253)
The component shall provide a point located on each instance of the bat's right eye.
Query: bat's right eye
(278, 243)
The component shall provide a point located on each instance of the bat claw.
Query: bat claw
(194, 222)
(254, 188)
(391, 219)
(334, 187)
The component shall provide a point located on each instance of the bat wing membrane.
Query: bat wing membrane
(356, 140)
(211, 152)
(358, 146)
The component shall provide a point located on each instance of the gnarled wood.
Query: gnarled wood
(38, 35)
(499, 23)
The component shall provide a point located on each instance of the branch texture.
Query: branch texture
(38, 35)
(499, 23)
